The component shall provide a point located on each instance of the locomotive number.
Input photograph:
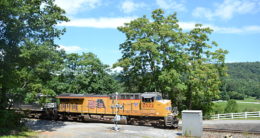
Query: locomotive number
(147, 105)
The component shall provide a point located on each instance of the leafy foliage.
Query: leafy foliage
(23, 22)
(83, 74)
(159, 56)
(9, 120)
(39, 63)
(243, 80)
(31, 63)
(231, 107)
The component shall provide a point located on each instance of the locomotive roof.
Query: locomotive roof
(150, 94)
(80, 95)
(146, 94)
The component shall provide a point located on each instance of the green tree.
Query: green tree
(159, 56)
(84, 74)
(22, 21)
(37, 68)
(231, 107)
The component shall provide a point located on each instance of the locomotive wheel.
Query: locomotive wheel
(81, 118)
(64, 118)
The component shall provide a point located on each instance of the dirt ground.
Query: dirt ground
(57, 129)
(95, 130)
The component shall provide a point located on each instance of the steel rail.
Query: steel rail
(231, 131)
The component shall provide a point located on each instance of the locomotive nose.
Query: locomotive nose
(165, 107)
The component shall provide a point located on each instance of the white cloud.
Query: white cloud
(224, 30)
(116, 22)
(171, 4)
(75, 6)
(203, 12)
(228, 9)
(98, 22)
(129, 6)
(232, 61)
(187, 25)
(71, 49)
(116, 70)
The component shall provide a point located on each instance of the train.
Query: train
(130, 108)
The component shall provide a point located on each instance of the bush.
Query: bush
(231, 106)
(236, 95)
(224, 96)
(9, 121)
(218, 109)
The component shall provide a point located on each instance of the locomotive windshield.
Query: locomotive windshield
(151, 96)
(147, 100)
(158, 97)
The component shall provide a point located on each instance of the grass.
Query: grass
(253, 118)
(249, 99)
(242, 107)
(247, 107)
(22, 134)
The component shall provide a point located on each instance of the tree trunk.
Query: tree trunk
(189, 97)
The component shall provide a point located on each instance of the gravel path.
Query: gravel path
(57, 129)
(96, 130)
(245, 125)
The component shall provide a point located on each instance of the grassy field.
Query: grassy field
(219, 107)
(23, 134)
(254, 118)
(250, 99)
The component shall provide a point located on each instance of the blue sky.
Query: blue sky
(93, 23)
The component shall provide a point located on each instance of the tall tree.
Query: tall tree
(159, 56)
(21, 21)
(38, 66)
(84, 74)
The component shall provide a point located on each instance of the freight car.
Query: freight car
(134, 108)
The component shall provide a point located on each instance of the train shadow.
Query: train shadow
(51, 125)
(43, 125)
(124, 124)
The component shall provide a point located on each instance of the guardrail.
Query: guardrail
(236, 115)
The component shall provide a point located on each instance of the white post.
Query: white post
(245, 114)
(218, 116)
(116, 127)
(117, 117)
(232, 116)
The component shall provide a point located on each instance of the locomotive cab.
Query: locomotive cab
(154, 101)
(148, 100)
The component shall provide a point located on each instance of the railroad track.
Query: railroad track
(231, 131)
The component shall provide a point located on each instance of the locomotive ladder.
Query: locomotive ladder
(168, 120)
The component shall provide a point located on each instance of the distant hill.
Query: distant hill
(243, 80)
(244, 70)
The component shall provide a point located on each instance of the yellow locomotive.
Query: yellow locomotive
(135, 108)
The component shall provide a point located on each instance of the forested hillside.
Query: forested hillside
(243, 80)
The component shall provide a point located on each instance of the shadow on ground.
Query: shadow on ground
(43, 125)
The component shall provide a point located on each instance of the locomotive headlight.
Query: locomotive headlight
(169, 108)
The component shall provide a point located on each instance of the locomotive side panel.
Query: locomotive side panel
(129, 107)
(97, 105)
(72, 104)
